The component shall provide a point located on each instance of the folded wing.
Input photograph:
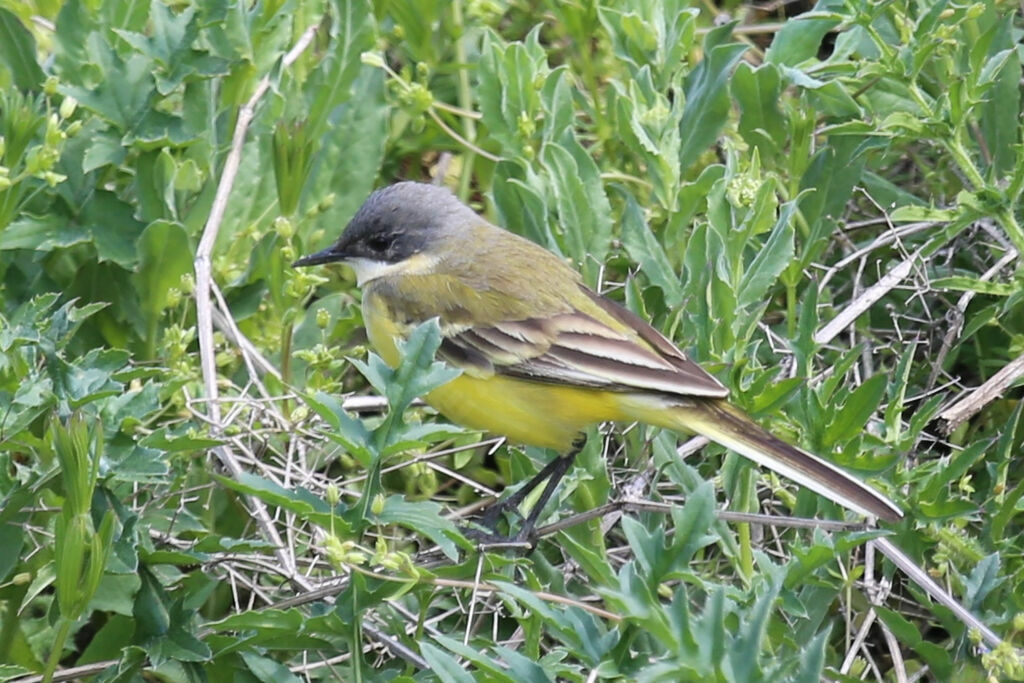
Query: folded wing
(605, 347)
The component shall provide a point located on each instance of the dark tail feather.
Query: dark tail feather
(728, 426)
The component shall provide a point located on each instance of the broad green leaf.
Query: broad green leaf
(707, 98)
(164, 255)
(443, 665)
(644, 248)
(299, 501)
(521, 205)
(583, 210)
(352, 149)
(42, 233)
(114, 229)
(352, 31)
(856, 410)
(770, 261)
(508, 92)
(267, 669)
(422, 517)
(761, 122)
(800, 38)
(494, 668)
(18, 52)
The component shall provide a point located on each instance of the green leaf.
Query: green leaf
(757, 92)
(584, 215)
(800, 38)
(495, 669)
(770, 261)
(521, 205)
(507, 90)
(18, 52)
(115, 230)
(267, 669)
(707, 97)
(42, 233)
(423, 517)
(124, 88)
(443, 665)
(299, 501)
(856, 411)
(644, 248)
(914, 214)
(164, 254)
(352, 149)
(347, 431)
(960, 283)
(105, 149)
(164, 440)
(418, 372)
(353, 32)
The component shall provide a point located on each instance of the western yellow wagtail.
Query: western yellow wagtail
(542, 356)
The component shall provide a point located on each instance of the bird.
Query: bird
(542, 356)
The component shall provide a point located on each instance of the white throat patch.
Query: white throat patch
(368, 270)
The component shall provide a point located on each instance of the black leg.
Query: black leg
(564, 463)
(552, 473)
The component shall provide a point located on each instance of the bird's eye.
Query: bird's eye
(379, 243)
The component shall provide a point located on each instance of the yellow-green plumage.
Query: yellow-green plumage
(542, 357)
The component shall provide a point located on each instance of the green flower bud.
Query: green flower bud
(54, 179)
(50, 86)
(525, 126)
(336, 550)
(356, 558)
(390, 561)
(1018, 621)
(420, 97)
(188, 283)
(372, 59)
(173, 297)
(284, 227)
(332, 494)
(377, 506)
(327, 202)
(67, 107)
(54, 135)
(323, 318)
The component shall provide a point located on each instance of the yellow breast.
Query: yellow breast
(534, 413)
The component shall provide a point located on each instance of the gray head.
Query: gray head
(394, 223)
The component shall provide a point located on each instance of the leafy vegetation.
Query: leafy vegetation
(823, 208)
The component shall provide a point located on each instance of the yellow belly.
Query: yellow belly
(547, 415)
(534, 413)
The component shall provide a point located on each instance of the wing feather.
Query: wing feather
(580, 349)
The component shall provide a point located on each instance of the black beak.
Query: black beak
(329, 255)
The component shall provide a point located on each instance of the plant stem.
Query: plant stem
(465, 99)
(63, 628)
